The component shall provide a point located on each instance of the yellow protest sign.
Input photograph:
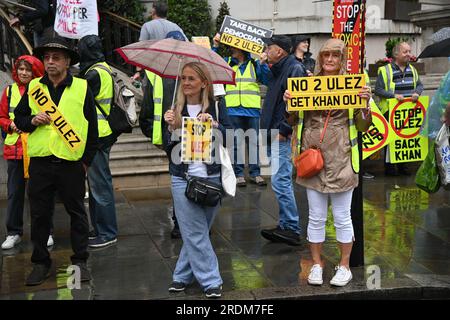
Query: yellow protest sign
(405, 119)
(326, 92)
(243, 35)
(378, 135)
(59, 124)
(196, 140)
(202, 41)
(242, 44)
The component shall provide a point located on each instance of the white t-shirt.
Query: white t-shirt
(197, 169)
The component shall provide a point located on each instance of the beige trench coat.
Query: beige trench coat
(337, 174)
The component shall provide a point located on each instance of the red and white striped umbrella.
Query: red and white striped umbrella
(166, 57)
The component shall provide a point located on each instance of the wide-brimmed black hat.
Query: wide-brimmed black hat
(300, 38)
(60, 44)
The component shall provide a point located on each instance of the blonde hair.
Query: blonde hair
(332, 45)
(206, 94)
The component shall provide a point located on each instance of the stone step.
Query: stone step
(156, 176)
(137, 159)
(131, 142)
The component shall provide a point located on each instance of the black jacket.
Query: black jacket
(308, 62)
(90, 50)
(180, 169)
(42, 17)
(274, 115)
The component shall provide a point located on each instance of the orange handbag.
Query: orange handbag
(310, 162)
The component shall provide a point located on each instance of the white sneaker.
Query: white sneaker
(342, 277)
(11, 241)
(315, 275)
(50, 241)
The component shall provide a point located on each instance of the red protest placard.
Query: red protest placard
(348, 25)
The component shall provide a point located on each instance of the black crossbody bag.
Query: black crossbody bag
(203, 192)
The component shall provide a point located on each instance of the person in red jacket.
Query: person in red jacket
(25, 69)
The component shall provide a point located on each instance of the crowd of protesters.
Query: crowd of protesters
(36, 152)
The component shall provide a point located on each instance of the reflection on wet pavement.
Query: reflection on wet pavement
(406, 231)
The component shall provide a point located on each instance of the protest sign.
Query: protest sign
(348, 25)
(243, 35)
(325, 93)
(196, 140)
(405, 119)
(202, 41)
(378, 135)
(75, 19)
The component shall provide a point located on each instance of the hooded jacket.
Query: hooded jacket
(274, 115)
(15, 152)
(90, 49)
(307, 60)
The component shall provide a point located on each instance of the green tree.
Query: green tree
(224, 10)
(130, 9)
(193, 16)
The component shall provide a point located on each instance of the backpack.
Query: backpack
(122, 116)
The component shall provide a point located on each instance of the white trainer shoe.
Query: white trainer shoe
(342, 277)
(315, 275)
(50, 241)
(11, 241)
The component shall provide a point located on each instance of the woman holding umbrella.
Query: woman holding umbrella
(197, 259)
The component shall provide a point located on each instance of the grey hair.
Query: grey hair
(397, 47)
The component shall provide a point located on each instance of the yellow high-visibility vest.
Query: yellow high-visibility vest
(104, 98)
(353, 136)
(389, 84)
(158, 93)
(13, 93)
(45, 141)
(246, 91)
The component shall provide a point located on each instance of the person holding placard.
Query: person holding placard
(197, 259)
(243, 102)
(58, 110)
(398, 79)
(339, 175)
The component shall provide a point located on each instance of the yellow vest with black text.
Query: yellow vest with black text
(246, 91)
(45, 141)
(14, 97)
(389, 84)
(353, 137)
(158, 93)
(104, 98)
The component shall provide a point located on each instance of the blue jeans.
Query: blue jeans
(246, 123)
(197, 257)
(281, 166)
(101, 195)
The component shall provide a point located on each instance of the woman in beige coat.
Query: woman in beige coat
(339, 176)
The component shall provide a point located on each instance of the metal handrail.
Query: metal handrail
(13, 42)
(117, 32)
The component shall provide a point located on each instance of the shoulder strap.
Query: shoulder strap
(217, 110)
(325, 127)
(102, 67)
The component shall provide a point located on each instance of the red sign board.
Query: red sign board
(349, 26)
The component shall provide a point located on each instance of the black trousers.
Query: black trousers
(48, 175)
(16, 197)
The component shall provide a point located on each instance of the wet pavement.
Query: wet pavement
(407, 239)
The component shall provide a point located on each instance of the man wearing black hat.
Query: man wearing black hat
(58, 111)
(275, 119)
(300, 50)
